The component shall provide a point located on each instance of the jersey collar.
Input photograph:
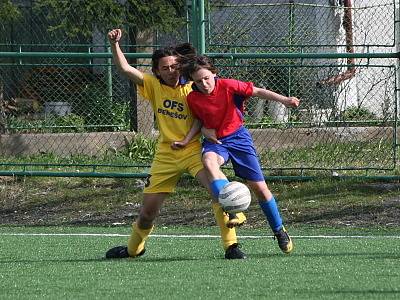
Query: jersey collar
(182, 81)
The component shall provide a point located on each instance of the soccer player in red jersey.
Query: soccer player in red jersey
(174, 155)
(218, 104)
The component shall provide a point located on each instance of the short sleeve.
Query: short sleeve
(147, 89)
(244, 88)
(191, 105)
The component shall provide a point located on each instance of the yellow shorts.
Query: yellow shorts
(169, 165)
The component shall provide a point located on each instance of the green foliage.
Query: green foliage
(106, 14)
(51, 124)
(91, 14)
(140, 149)
(97, 108)
(68, 121)
(356, 113)
(331, 155)
(265, 122)
(8, 12)
(165, 15)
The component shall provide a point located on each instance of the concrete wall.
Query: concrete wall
(63, 144)
(97, 144)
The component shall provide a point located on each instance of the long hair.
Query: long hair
(180, 51)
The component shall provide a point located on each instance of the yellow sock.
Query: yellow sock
(137, 239)
(228, 235)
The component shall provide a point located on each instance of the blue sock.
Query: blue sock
(217, 185)
(270, 209)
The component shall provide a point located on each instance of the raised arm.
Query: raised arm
(120, 61)
(272, 96)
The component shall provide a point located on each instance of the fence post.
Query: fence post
(198, 25)
(2, 112)
(109, 76)
(193, 37)
(201, 37)
(397, 93)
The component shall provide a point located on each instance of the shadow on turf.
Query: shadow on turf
(369, 255)
(357, 293)
(327, 254)
(103, 259)
(149, 259)
(30, 261)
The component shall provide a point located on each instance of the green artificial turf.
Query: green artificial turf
(192, 267)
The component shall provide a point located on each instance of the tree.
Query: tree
(77, 18)
(8, 12)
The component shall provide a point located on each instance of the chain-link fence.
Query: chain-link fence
(65, 106)
(348, 115)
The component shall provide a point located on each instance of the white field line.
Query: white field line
(206, 236)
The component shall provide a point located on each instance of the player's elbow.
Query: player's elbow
(257, 92)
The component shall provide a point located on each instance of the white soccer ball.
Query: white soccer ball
(234, 197)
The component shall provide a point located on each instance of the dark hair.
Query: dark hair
(180, 50)
(158, 54)
(185, 49)
(193, 63)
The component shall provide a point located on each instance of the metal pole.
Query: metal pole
(109, 76)
(397, 92)
(227, 55)
(194, 38)
(291, 31)
(201, 37)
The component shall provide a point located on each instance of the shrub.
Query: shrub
(99, 110)
(355, 113)
(52, 124)
(140, 148)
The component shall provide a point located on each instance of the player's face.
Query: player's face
(204, 80)
(168, 70)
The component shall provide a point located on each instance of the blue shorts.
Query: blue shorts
(238, 148)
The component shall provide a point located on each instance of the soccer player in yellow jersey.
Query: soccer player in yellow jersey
(175, 154)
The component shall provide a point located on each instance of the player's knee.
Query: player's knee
(147, 216)
(209, 161)
(261, 190)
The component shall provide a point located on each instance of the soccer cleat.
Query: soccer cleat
(233, 252)
(284, 240)
(235, 220)
(121, 252)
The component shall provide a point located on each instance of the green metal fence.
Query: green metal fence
(67, 112)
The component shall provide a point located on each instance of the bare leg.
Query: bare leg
(212, 163)
(261, 190)
(150, 209)
(143, 226)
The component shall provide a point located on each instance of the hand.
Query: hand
(292, 102)
(210, 135)
(178, 145)
(114, 36)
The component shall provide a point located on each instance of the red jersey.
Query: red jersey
(221, 110)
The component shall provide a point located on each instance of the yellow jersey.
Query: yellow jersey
(173, 116)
